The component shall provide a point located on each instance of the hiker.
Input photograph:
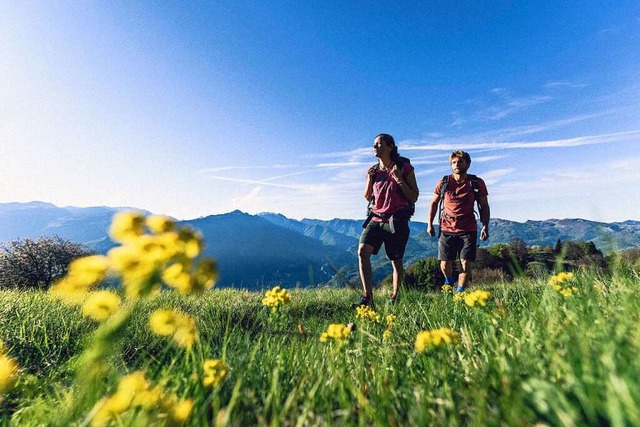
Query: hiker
(392, 192)
(458, 193)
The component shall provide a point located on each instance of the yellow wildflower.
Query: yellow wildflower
(391, 318)
(459, 296)
(163, 322)
(69, 292)
(101, 305)
(446, 288)
(563, 283)
(435, 338)
(276, 298)
(88, 270)
(180, 411)
(191, 241)
(159, 224)
(8, 373)
(366, 313)
(126, 226)
(180, 327)
(336, 331)
(387, 334)
(478, 296)
(215, 371)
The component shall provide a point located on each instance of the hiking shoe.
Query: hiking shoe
(363, 301)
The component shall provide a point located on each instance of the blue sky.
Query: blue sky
(198, 108)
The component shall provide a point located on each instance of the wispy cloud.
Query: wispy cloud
(557, 143)
(502, 104)
(565, 84)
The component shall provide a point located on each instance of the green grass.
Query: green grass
(530, 356)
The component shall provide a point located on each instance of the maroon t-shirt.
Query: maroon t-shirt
(387, 194)
(458, 216)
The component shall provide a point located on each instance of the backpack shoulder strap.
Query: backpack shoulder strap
(443, 189)
(473, 179)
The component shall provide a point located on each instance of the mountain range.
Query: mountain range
(259, 251)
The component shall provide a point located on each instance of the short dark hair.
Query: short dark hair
(461, 155)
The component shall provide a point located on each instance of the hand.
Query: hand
(484, 233)
(430, 230)
(396, 173)
(371, 172)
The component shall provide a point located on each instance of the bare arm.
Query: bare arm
(485, 215)
(408, 185)
(433, 209)
(368, 189)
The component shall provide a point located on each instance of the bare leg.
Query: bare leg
(398, 275)
(447, 268)
(465, 266)
(364, 263)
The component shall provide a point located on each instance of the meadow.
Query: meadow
(530, 355)
(165, 348)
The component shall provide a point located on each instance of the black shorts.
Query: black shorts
(457, 245)
(378, 233)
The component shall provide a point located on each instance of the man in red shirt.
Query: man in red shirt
(458, 226)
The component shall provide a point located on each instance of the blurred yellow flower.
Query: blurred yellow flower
(479, 296)
(446, 288)
(180, 411)
(459, 296)
(191, 241)
(563, 282)
(180, 327)
(69, 292)
(8, 373)
(387, 334)
(126, 226)
(101, 305)
(336, 331)
(435, 338)
(276, 298)
(159, 224)
(88, 270)
(391, 318)
(366, 313)
(214, 372)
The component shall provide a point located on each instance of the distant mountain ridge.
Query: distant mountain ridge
(258, 251)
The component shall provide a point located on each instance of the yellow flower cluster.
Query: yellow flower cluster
(387, 334)
(8, 372)
(101, 305)
(215, 371)
(171, 323)
(563, 283)
(478, 296)
(276, 298)
(446, 288)
(143, 261)
(391, 318)
(366, 313)
(337, 332)
(436, 338)
(135, 391)
(459, 296)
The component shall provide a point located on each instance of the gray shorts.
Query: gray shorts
(457, 245)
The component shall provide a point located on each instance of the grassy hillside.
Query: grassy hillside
(530, 355)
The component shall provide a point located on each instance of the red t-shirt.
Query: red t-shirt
(387, 194)
(458, 216)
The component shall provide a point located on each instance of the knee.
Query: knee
(465, 267)
(364, 251)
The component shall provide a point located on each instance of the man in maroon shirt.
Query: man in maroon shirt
(458, 226)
